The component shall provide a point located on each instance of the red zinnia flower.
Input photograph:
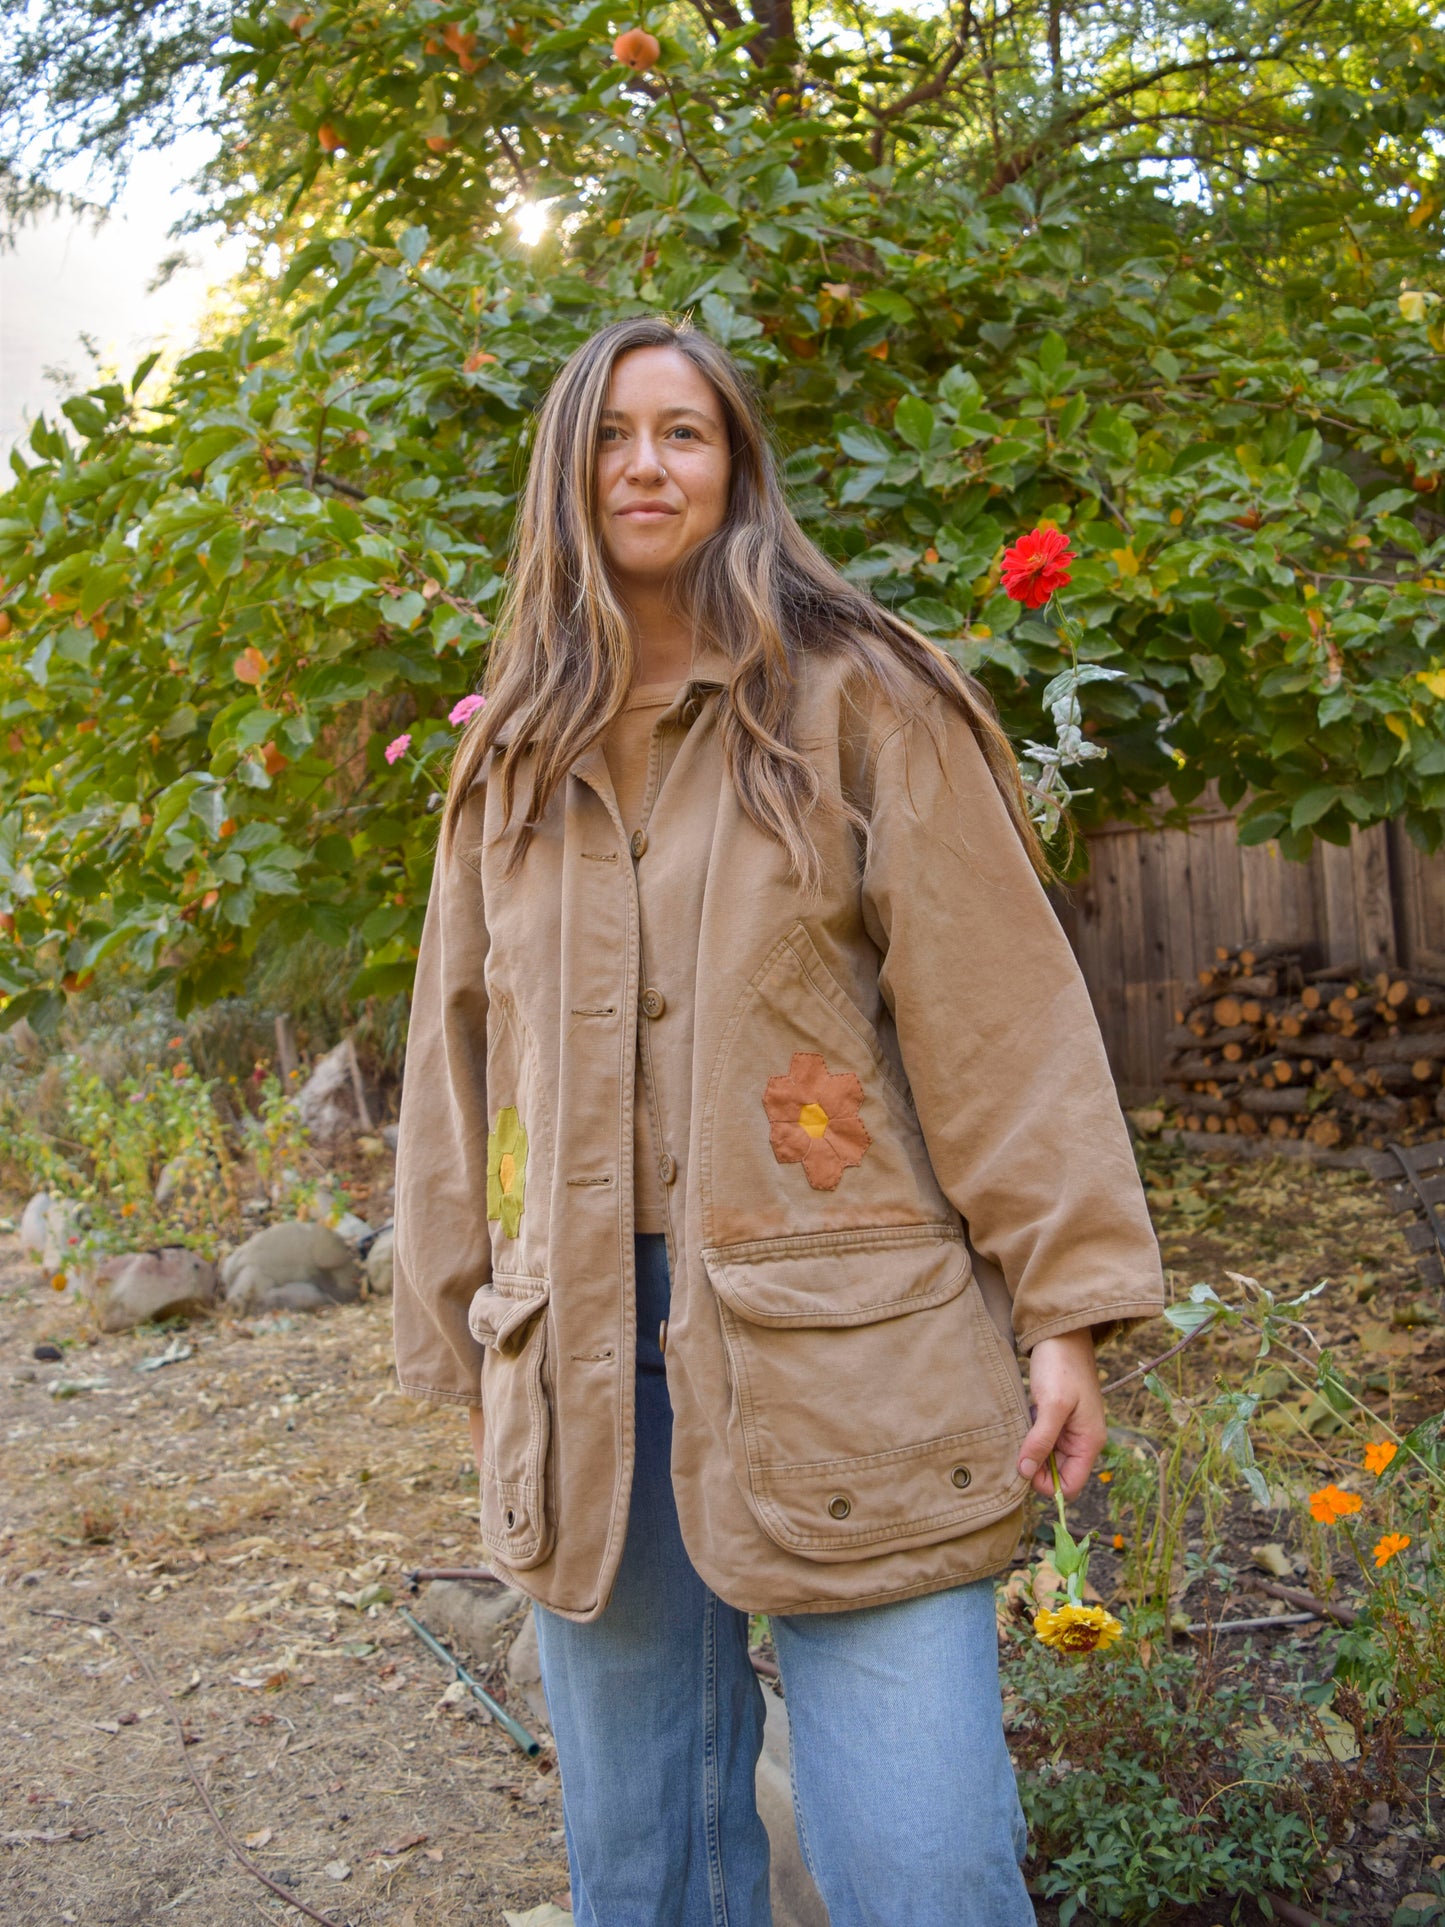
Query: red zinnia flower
(1036, 565)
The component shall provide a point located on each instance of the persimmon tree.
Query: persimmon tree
(227, 592)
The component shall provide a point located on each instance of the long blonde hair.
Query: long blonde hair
(757, 590)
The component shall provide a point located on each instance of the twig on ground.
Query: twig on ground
(281, 1892)
(415, 1575)
(1307, 1601)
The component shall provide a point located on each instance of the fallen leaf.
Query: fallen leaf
(397, 1847)
(544, 1916)
(1272, 1559)
(260, 1839)
(336, 1870)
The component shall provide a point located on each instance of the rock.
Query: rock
(378, 1264)
(50, 1229)
(137, 1286)
(327, 1100)
(48, 1354)
(796, 1901)
(388, 1136)
(290, 1267)
(524, 1668)
(354, 1230)
(1377, 1816)
(468, 1615)
(34, 1221)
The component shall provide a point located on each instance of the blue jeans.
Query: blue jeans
(902, 1784)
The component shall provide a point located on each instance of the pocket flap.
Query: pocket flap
(500, 1311)
(845, 1278)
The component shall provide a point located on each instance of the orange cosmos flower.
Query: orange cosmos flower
(1392, 1543)
(1377, 1457)
(1329, 1505)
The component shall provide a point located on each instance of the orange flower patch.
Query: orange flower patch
(1329, 1505)
(1392, 1543)
(814, 1121)
(1377, 1457)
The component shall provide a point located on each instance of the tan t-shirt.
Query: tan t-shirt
(627, 746)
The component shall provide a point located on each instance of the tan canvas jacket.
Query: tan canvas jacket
(893, 1149)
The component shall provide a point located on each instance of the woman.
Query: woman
(754, 1112)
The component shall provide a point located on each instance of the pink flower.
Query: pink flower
(466, 709)
(397, 747)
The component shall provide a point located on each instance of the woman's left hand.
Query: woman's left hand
(1069, 1409)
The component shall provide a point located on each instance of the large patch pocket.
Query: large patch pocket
(509, 1318)
(873, 1406)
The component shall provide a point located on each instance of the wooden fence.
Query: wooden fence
(1156, 902)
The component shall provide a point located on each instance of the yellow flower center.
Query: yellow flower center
(814, 1119)
(506, 1172)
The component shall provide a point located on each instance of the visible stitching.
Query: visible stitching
(808, 1244)
(586, 1181)
(945, 1446)
(593, 1358)
(711, 1795)
(594, 1010)
(835, 1097)
(597, 856)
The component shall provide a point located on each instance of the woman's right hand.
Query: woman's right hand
(478, 1433)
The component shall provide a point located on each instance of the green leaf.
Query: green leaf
(913, 420)
(866, 445)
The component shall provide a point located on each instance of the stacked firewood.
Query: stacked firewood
(1267, 1045)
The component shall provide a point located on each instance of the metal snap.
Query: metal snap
(961, 1477)
(839, 1507)
(639, 842)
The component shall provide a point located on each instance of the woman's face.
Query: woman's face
(663, 464)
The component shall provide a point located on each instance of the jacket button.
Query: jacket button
(961, 1477)
(638, 843)
(667, 1167)
(839, 1507)
(662, 1338)
(653, 1003)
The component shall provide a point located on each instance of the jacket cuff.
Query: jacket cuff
(436, 1395)
(1104, 1321)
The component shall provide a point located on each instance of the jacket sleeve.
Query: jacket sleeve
(999, 1040)
(442, 1251)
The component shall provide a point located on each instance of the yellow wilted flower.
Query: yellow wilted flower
(1076, 1629)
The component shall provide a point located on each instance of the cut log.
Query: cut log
(1286, 1103)
(1404, 1047)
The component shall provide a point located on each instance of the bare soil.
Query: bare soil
(227, 1512)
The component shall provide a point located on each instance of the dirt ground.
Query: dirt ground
(231, 1510)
